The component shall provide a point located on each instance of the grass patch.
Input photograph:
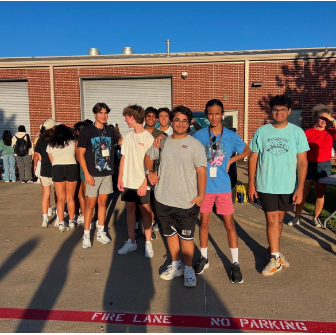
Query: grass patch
(329, 203)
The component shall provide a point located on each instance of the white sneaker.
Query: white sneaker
(13, 181)
(189, 277)
(50, 211)
(149, 253)
(6, 181)
(103, 238)
(56, 224)
(127, 247)
(30, 181)
(80, 219)
(62, 228)
(72, 225)
(172, 272)
(294, 222)
(44, 224)
(86, 242)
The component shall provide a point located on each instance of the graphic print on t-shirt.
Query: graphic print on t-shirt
(277, 145)
(219, 156)
(98, 144)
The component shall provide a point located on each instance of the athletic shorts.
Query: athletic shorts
(131, 195)
(46, 181)
(276, 202)
(223, 203)
(318, 170)
(177, 220)
(64, 173)
(102, 185)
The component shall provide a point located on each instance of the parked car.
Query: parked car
(202, 120)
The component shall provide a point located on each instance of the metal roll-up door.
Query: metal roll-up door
(14, 106)
(119, 93)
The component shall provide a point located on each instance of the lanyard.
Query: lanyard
(101, 134)
(213, 153)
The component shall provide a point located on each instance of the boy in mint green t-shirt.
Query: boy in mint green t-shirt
(279, 154)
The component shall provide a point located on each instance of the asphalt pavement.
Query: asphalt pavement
(50, 284)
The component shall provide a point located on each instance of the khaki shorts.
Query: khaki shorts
(46, 181)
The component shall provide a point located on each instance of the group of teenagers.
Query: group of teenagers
(174, 174)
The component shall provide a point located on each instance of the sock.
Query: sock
(130, 241)
(45, 217)
(276, 254)
(188, 267)
(87, 232)
(100, 229)
(176, 263)
(204, 252)
(50, 209)
(62, 223)
(234, 254)
(153, 223)
(57, 218)
(148, 242)
(137, 225)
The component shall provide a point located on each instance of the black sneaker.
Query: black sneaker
(236, 275)
(153, 235)
(201, 265)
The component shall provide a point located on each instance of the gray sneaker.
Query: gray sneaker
(317, 223)
(149, 253)
(127, 247)
(294, 222)
(86, 242)
(172, 272)
(62, 228)
(189, 277)
(72, 225)
(103, 238)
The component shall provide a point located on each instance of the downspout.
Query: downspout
(246, 99)
(52, 93)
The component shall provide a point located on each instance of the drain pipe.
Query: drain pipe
(52, 92)
(168, 48)
(246, 99)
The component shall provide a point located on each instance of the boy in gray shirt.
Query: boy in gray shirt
(179, 191)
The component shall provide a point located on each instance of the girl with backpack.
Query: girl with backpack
(23, 154)
(8, 155)
(61, 152)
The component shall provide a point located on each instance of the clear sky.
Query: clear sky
(71, 28)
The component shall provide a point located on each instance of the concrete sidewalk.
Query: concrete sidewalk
(252, 214)
(41, 268)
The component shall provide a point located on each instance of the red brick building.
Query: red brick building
(66, 88)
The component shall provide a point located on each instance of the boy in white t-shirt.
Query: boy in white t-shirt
(132, 181)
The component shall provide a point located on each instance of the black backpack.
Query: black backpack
(21, 147)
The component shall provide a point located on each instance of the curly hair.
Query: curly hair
(319, 109)
(62, 137)
(136, 111)
(7, 138)
(183, 110)
(281, 100)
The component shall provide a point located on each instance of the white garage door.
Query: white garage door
(14, 106)
(119, 93)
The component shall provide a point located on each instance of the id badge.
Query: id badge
(105, 153)
(213, 171)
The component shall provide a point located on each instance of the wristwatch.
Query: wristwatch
(148, 172)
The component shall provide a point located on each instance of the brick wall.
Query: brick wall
(38, 91)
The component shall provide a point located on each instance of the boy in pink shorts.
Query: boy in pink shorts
(219, 144)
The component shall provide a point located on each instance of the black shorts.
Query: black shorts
(177, 220)
(131, 195)
(318, 170)
(65, 173)
(276, 202)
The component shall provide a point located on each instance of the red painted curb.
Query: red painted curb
(170, 320)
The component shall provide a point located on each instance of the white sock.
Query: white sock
(153, 223)
(45, 217)
(204, 252)
(148, 242)
(187, 267)
(137, 225)
(176, 263)
(57, 218)
(50, 209)
(56, 212)
(87, 232)
(62, 223)
(100, 229)
(234, 254)
(276, 254)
